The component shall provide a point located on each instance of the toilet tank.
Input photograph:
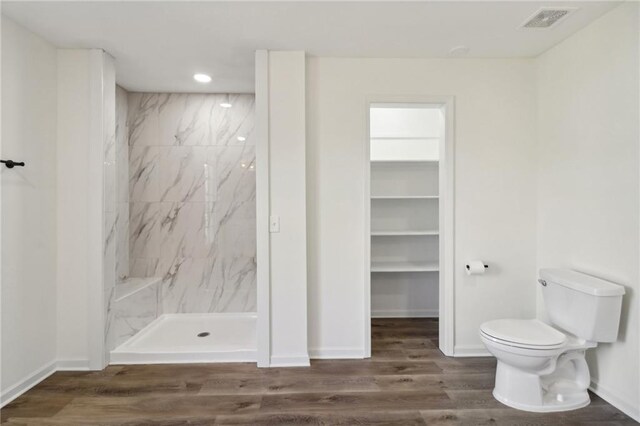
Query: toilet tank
(585, 306)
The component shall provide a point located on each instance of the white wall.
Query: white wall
(28, 209)
(588, 180)
(73, 133)
(495, 183)
(287, 200)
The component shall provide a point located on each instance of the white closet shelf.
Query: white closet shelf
(391, 266)
(405, 197)
(391, 233)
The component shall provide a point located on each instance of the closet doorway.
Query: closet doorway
(409, 219)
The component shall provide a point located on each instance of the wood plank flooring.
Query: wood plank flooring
(406, 382)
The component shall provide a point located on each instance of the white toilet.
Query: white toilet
(542, 368)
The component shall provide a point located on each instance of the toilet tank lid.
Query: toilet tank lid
(581, 282)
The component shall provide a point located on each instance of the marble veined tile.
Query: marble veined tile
(109, 297)
(182, 173)
(144, 230)
(192, 193)
(184, 120)
(133, 313)
(199, 285)
(122, 110)
(186, 284)
(109, 270)
(187, 230)
(122, 174)
(122, 184)
(234, 280)
(235, 182)
(144, 173)
(230, 123)
(141, 267)
(122, 241)
(109, 152)
(143, 119)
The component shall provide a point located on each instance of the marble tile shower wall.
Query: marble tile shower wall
(192, 199)
(122, 185)
(109, 171)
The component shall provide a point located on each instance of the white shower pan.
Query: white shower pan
(191, 338)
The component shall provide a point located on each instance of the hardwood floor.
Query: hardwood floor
(406, 382)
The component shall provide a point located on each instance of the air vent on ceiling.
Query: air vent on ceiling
(547, 17)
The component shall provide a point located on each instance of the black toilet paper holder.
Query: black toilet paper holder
(467, 266)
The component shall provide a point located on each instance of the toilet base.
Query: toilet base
(526, 391)
(550, 405)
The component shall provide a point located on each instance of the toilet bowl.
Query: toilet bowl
(541, 367)
(527, 374)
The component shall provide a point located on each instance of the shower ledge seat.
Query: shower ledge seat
(136, 304)
(133, 285)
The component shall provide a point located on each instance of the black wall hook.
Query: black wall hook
(11, 164)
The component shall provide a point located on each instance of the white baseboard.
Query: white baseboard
(412, 313)
(290, 361)
(72, 365)
(336, 353)
(630, 408)
(27, 383)
(470, 351)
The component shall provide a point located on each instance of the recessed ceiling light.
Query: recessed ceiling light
(459, 51)
(225, 105)
(241, 138)
(202, 78)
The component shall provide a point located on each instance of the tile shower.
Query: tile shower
(185, 225)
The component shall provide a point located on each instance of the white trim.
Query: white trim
(336, 353)
(447, 217)
(130, 358)
(405, 313)
(470, 351)
(95, 213)
(367, 232)
(263, 255)
(630, 408)
(27, 383)
(446, 289)
(72, 365)
(290, 361)
(2, 396)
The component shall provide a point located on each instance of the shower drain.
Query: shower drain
(203, 334)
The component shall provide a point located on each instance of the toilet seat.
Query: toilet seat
(525, 334)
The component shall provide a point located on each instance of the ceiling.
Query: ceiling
(159, 45)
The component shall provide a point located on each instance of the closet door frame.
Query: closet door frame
(446, 285)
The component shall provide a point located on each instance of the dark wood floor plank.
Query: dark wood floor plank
(404, 418)
(77, 387)
(361, 401)
(291, 384)
(408, 381)
(29, 405)
(165, 407)
(416, 382)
